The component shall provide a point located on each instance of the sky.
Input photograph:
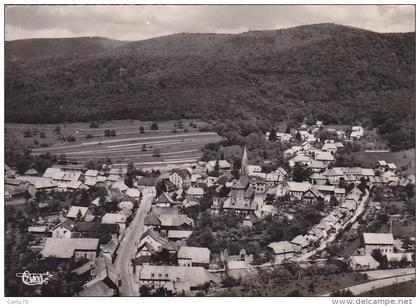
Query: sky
(147, 21)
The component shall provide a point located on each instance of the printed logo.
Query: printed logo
(32, 279)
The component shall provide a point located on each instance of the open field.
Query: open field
(400, 158)
(129, 144)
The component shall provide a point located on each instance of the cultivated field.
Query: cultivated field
(173, 145)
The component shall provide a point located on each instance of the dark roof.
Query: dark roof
(249, 192)
(151, 220)
(242, 183)
(69, 224)
(97, 227)
(163, 198)
(169, 186)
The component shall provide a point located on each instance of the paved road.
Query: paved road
(128, 247)
(379, 283)
(379, 274)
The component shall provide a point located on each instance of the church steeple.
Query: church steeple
(244, 164)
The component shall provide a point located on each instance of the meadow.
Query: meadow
(173, 142)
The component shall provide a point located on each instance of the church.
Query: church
(242, 194)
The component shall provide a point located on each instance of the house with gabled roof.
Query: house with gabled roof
(151, 242)
(301, 241)
(76, 211)
(297, 189)
(164, 200)
(224, 165)
(312, 195)
(193, 256)
(147, 183)
(283, 250)
(76, 248)
(180, 178)
(115, 218)
(176, 279)
(64, 229)
(382, 241)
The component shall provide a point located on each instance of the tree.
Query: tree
(145, 291)
(154, 126)
(62, 159)
(141, 129)
(112, 133)
(216, 165)
(382, 259)
(273, 135)
(79, 216)
(143, 148)
(107, 133)
(57, 130)
(298, 136)
(300, 173)
(84, 199)
(288, 129)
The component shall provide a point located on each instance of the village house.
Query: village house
(180, 178)
(224, 165)
(151, 243)
(133, 193)
(77, 212)
(297, 189)
(250, 220)
(104, 280)
(258, 184)
(325, 157)
(41, 183)
(312, 195)
(64, 229)
(196, 192)
(283, 250)
(115, 218)
(15, 188)
(97, 230)
(302, 242)
(76, 248)
(164, 200)
(147, 183)
(362, 263)
(193, 257)
(382, 241)
(281, 137)
(176, 279)
(357, 132)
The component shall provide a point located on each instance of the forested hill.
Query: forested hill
(335, 73)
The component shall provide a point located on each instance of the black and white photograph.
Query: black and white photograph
(209, 150)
